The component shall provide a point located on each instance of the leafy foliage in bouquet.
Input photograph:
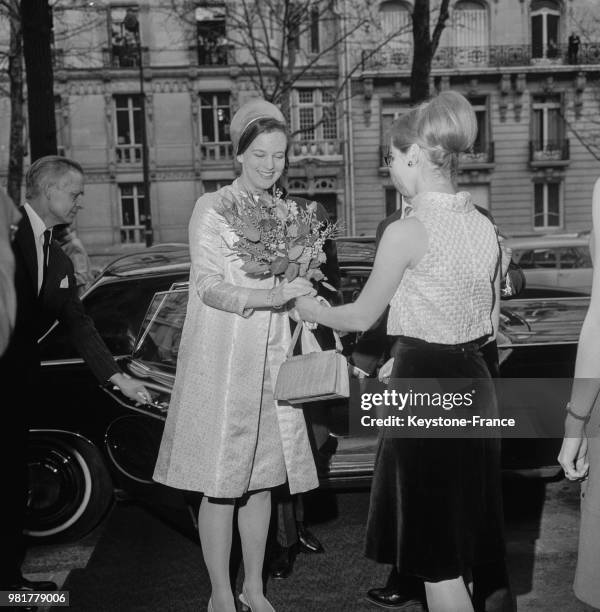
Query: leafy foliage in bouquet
(277, 237)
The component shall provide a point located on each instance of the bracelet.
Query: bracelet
(576, 416)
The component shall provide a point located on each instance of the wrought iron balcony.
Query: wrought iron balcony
(216, 151)
(490, 56)
(328, 149)
(549, 153)
(481, 156)
(129, 153)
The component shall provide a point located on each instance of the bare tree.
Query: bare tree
(36, 20)
(277, 43)
(12, 58)
(425, 46)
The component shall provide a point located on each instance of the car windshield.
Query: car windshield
(158, 341)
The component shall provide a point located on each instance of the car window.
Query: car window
(160, 333)
(574, 257)
(117, 309)
(536, 258)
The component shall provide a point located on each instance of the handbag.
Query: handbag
(314, 376)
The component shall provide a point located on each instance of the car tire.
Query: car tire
(70, 488)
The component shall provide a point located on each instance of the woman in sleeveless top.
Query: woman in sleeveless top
(580, 452)
(435, 507)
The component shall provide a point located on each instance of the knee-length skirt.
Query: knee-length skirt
(436, 503)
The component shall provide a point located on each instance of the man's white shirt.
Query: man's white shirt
(39, 227)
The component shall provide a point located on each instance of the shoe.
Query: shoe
(308, 541)
(246, 606)
(281, 564)
(393, 599)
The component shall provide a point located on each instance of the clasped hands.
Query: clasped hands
(303, 293)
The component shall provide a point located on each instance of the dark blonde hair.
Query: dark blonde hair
(443, 127)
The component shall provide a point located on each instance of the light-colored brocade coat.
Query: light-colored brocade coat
(212, 425)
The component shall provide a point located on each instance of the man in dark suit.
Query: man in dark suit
(46, 291)
(492, 591)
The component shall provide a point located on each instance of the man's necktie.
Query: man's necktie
(45, 248)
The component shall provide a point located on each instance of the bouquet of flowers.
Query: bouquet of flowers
(276, 237)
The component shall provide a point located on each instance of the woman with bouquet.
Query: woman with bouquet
(225, 435)
(435, 508)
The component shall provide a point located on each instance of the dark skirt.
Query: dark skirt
(436, 503)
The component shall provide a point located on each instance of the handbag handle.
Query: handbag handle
(300, 327)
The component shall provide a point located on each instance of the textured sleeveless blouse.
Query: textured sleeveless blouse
(447, 298)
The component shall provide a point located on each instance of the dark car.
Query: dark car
(89, 441)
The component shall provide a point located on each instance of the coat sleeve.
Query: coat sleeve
(207, 252)
(84, 335)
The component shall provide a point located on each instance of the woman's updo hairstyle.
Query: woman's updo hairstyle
(261, 125)
(443, 127)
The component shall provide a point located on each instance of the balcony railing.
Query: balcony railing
(327, 148)
(124, 56)
(480, 155)
(132, 234)
(553, 152)
(488, 56)
(216, 151)
(129, 153)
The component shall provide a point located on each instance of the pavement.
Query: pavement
(135, 561)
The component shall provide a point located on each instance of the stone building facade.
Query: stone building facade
(537, 100)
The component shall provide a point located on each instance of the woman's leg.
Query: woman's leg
(215, 525)
(448, 596)
(253, 523)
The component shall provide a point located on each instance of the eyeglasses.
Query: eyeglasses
(388, 158)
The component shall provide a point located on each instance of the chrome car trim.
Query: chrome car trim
(63, 431)
(133, 406)
(73, 361)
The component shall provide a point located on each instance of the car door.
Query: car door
(575, 268)
(540, 266)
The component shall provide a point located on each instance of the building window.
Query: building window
(547, 127)
(131, 201)
(396, 25)
(315, 19)
(215, 116)
(547, 208)
(211, 36)
(470, 24)
(124, 48)
(545, 29)
(481, 144)
(315, 115)
(128, 127)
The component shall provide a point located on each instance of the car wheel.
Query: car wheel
(70, 489)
